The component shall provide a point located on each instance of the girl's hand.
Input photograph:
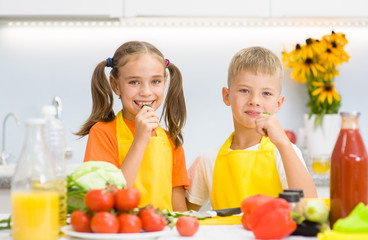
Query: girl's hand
(146, 122)
(268, 126)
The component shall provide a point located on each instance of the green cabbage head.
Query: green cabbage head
(97, 175)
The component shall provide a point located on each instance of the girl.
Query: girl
(151, 159)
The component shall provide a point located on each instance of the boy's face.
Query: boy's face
(249, 95)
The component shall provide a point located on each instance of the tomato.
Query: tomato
(80, 221)
(99, 200)
(104, 222)
(129, 223)
(146, 210)
(152, 221)
(187, 226)
(127, 199)
(113, 189)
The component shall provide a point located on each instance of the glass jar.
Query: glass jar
(321, 164)
(34, 195)
(349, 169)
(301, 195)
(293, 199)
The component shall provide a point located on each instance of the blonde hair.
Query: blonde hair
(255, 60)
(174, 109)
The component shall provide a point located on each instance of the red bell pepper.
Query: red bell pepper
(250, 204)
(272, 220)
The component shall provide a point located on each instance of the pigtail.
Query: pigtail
(102, 100)
(174, 109)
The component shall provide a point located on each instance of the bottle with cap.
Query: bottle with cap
(349, 169)
(34, 193)
(293, 199)
(55, 142)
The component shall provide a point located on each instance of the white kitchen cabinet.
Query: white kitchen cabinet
(195, 8)
(64, 8)
(319, 8)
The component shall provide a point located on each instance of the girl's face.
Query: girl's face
(141, 81)
(250, 94)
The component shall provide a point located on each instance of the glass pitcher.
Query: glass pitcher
(34, 195)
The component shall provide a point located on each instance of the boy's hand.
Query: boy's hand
(146, 122)
(268, 125)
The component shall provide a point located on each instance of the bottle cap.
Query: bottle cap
(49, 110)
(297, 190)
(350, 113)
(290, 196)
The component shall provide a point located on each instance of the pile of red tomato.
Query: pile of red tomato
(110, 210)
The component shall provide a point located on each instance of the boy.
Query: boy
(258, 157)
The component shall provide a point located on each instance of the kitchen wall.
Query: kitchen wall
(41, 60)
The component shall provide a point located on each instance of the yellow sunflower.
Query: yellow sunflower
(308, 67)
(292, 58)
(325, 90)
(312, 48)
(331, 57)
(338, 38)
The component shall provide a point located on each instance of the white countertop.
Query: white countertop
(204, 232)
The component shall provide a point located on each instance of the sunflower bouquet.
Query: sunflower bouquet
(316, 64)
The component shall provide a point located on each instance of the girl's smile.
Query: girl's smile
(142, 103)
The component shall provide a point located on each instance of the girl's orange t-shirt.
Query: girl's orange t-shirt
(102, 145)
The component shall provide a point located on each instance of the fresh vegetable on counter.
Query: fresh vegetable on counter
(313, 220)
(316, 211)
(249, 205)
(103, 216)
(187, 226)
(267, 217)
(91, 175)
(355, 222)
(352, 227)
(112, 210)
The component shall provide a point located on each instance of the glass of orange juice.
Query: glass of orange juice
(35, 215)
(321, 164)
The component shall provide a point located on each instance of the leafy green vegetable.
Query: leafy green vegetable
(91, 175)
(355, 222)
(7, 222)
(96, 174)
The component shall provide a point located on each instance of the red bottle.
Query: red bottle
(349, 169)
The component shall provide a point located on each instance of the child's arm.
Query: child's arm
(146, 121)
(296, 174)
(178, 199)
(197, 194)
(192, 206)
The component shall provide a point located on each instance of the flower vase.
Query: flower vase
(321, 140)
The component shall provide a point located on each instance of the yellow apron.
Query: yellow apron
(242, 173)
(154, 178)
